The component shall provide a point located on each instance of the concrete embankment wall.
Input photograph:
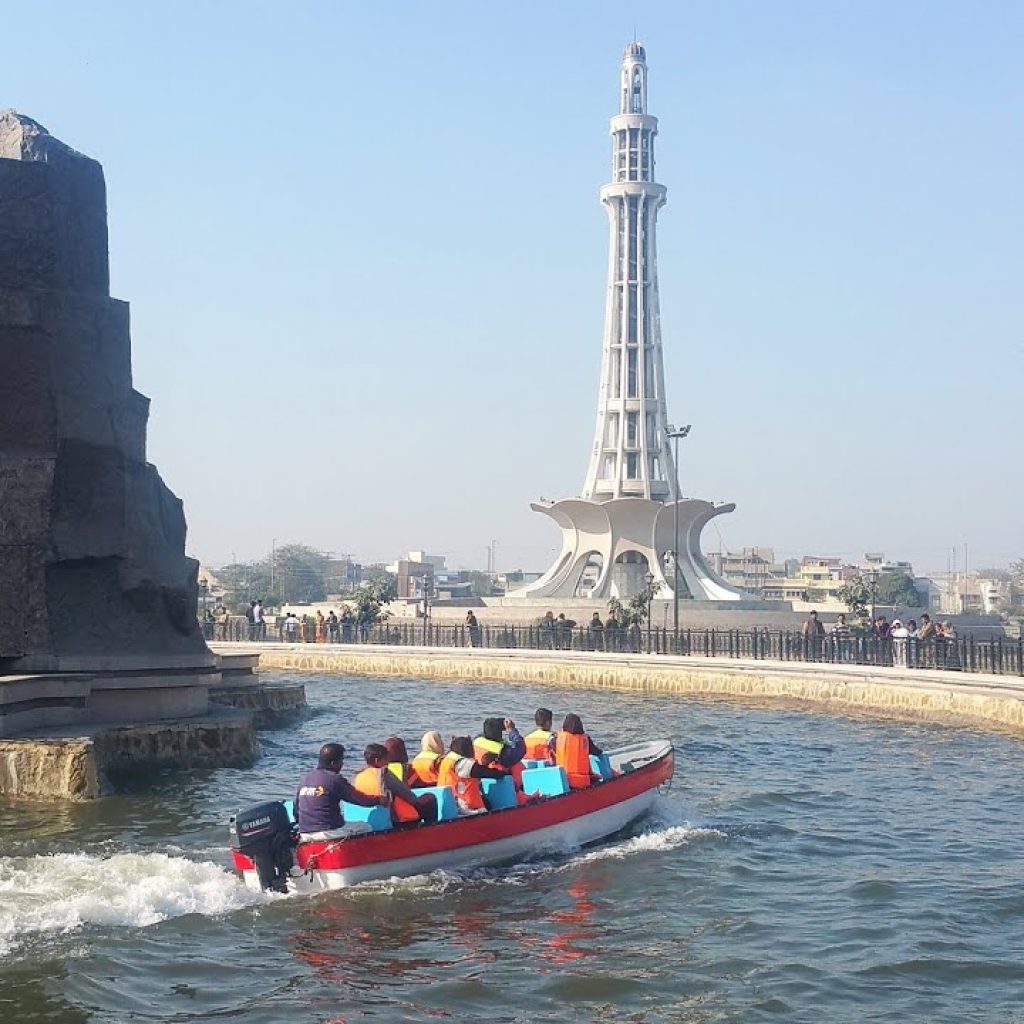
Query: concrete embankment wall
(950, 697)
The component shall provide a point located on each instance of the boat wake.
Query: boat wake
(64, 892)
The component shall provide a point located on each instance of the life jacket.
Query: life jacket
(483, 746)
(467, 791)
(426, 764)
(573, 754)
(537, 745)
(370, 781)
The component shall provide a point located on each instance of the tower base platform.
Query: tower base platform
(617, 548)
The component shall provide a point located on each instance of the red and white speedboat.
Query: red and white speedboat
(546, 825)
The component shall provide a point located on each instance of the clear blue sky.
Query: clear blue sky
(366, 261)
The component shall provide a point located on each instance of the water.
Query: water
(801, 868)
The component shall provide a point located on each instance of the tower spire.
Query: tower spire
(630, 455)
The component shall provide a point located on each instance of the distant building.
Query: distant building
(751, 569)
(817, 579)
(976, 593)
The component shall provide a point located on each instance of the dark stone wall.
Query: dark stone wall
(92, 543)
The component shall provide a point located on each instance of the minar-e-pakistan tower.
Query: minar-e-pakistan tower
(623, 530)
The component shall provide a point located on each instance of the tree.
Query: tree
(636, 610)
(300, 572)
(856, 595)
(897, 588)
(244, 581)
(1017, 586)
(371, 597)
(294, 572)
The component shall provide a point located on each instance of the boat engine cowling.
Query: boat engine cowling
(264, 834)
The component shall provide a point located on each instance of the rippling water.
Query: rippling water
(800, 868)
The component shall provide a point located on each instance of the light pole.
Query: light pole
(649, 580)
(872, 575)
(675, 436)
(428, 581)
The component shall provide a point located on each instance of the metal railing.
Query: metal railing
(987, 654)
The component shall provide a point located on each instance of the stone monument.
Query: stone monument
(97, 597)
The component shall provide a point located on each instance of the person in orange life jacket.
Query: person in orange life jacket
(460, 770)
(427, 762)
(376, 780)
(572, 748)
(320, 792)
(495, 750)
(538, 740)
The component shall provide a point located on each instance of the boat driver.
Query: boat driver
(320, 793)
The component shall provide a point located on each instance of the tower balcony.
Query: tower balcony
(619, 189)
(620, 122)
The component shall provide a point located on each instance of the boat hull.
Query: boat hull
(546, 826)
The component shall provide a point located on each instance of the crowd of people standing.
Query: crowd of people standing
(910, 645)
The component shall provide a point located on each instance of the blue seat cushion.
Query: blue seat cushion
(551, 780)
(600, 764)
(378, 818)
(499, 793)
(447, 805)
(532, 762)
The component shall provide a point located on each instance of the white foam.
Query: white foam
(62, 892)
(656, 841)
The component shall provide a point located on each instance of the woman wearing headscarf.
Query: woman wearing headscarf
(460, 770)
(426, 763)
(572, 748)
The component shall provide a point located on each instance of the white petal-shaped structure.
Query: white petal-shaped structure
(609, 547)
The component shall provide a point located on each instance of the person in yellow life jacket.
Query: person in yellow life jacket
(398, 760)
(572, 748)
(495, 750)
(427, 762)
(376, 780)
(538, 740)
(460, 770)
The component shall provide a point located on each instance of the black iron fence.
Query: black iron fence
(988, 654)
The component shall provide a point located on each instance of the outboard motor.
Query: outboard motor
(264, 834)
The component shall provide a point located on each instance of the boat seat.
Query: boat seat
(447, 805)
(531, 762)
(600, 764)
(551, 780)
(378, 818)
(500, 793)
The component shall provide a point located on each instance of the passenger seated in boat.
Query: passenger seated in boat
(320, 793)
(538, 741)
(376, 780)
(398, 760)
(427, 762)
(572, 748)
(495, 750)
(460, 770)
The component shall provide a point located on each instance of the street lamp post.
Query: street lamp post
(427, 587)
(649, 580)
(675, 436)
(872, 575)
